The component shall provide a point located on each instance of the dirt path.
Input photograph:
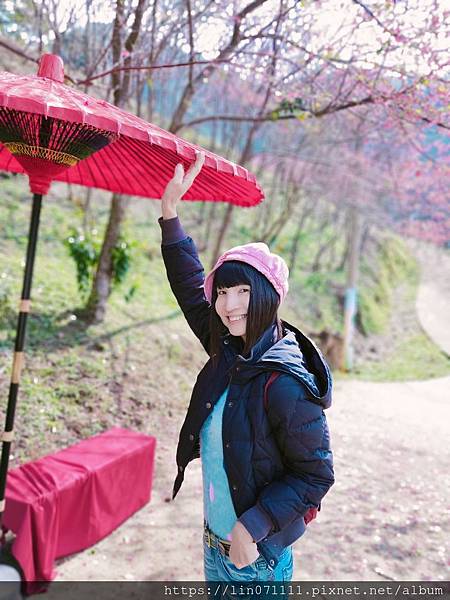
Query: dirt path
(432, 302)
(384, 518)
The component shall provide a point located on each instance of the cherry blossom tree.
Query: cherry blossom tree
(281, 84)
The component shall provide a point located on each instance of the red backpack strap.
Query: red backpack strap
(269, 382)
(310, 515)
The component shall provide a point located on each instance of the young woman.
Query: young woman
(264, 446)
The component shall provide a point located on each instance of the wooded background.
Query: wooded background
(340, 108)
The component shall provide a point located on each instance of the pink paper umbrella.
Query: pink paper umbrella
(51, 131)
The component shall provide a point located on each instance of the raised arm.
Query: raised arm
(184, 269)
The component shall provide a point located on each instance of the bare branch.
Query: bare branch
(149, 68)
(318, 113)
(117, 50)
(372, 15)
(16, 50)
(130, 43)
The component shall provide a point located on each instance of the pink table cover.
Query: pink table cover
(69, 500)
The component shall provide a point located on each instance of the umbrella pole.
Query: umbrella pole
(8, 434)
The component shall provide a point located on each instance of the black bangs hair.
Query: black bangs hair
(262, 309)
(233, 272)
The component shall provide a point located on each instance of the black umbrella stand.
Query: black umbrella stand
(8, 434)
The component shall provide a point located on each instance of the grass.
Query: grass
(416, 357)
(394, 266)
(409, 353)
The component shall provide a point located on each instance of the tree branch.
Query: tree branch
(314, 113)
(149, 68)
(16, 50)
(372, 15)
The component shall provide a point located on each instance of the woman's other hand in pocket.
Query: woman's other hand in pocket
(243, 550)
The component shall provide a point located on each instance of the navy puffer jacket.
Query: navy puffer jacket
(278, 460)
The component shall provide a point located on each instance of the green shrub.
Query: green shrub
(394, 266)
(85, 251)
(8, 308)
(374, 310)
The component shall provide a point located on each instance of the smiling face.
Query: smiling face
(232, 307)
(244, 303)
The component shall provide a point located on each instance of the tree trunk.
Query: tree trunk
(298, 233)
(325, 239)
(209, 223)
(139, 90)
(294, 248)
(316, 264)
(87, 210)
(271, 235)
(101, 288)
(222, 233)
(332, 250)
(350, 305)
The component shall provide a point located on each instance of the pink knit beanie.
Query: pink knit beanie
(258, 255)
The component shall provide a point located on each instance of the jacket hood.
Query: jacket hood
(294, 354)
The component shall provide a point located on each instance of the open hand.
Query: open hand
(243, 550)
(179, 185)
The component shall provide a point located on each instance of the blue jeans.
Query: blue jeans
(218, 567)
